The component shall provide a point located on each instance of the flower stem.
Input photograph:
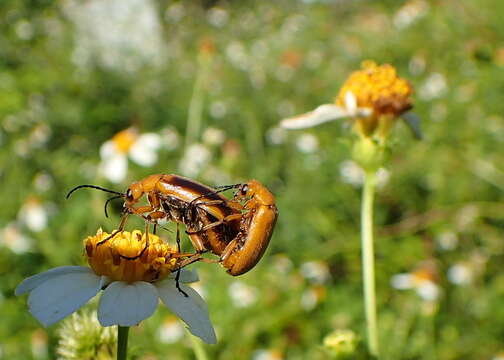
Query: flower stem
(199, 351)
(368, 262)
(122, 342)
(195, 112)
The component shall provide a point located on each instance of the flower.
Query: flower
(132, 278)
(341, 342)
(423, 280)
(242, 295)
(374, 96)
(142, 149)
(33, 214)
(82, 337)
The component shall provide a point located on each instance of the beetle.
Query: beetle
(236, 230)
(182, 200)
(257, 223)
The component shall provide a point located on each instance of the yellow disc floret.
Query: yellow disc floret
(378, 88)
(123, 258)
(124, 139)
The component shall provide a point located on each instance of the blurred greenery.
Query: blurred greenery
(73, 74)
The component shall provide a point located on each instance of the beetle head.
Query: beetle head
(134, 193)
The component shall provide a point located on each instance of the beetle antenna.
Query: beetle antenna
(219, 189)
(222, 188)
(109, 200)
(93, 187)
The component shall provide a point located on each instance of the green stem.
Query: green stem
(368, 262)
(195, 112)
(199, 351)
(122, 342)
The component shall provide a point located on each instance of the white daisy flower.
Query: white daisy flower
(422, 280)
(316, 272)
(33, 214)
(242, 295)
(142, 149)
(13, 238)
(374, 97)
(131, 287)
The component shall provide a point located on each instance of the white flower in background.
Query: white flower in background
(276, 135)
(316, 272)
(43, 181)
(114, 153)
(218, 109)
(351, 173)
(265, 354)
(217, 17)
(410, 12)
(33, 214)
(12, 237)
(307, 143)
(312, 297)
(422, 280)
(170, 139)
(282, 264)
(170, 330)
(120, 34)
(460, 274)
(242, 295)
(196, 157)
(447, 240)
(131, 287)
(433, 87)
(465, 272)
(213, 136)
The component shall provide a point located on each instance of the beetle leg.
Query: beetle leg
(154, 229)
(119, 229)
(142, 209)
(177, 277)
(216, 223)
(228, 250)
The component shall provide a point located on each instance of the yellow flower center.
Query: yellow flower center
(378, 88)
(123, 140)
(110, 258)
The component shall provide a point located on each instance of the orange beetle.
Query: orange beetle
(176, 198)
(237, 230)
(257, 222)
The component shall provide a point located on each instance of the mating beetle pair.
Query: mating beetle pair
(238, 230)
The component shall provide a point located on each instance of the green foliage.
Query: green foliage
(63, 94)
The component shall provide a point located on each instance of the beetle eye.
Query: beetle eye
(244, 189)
(129, 195)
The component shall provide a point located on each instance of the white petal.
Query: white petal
(186, 276)
(322, 114)
(192, 310)
(61, 295)
(32, 282)
(350, 102)
(428, 291)
(127, 304)
(114, 168)
(108, 149)
(143, 151)
(413, 122)
(402, 281)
